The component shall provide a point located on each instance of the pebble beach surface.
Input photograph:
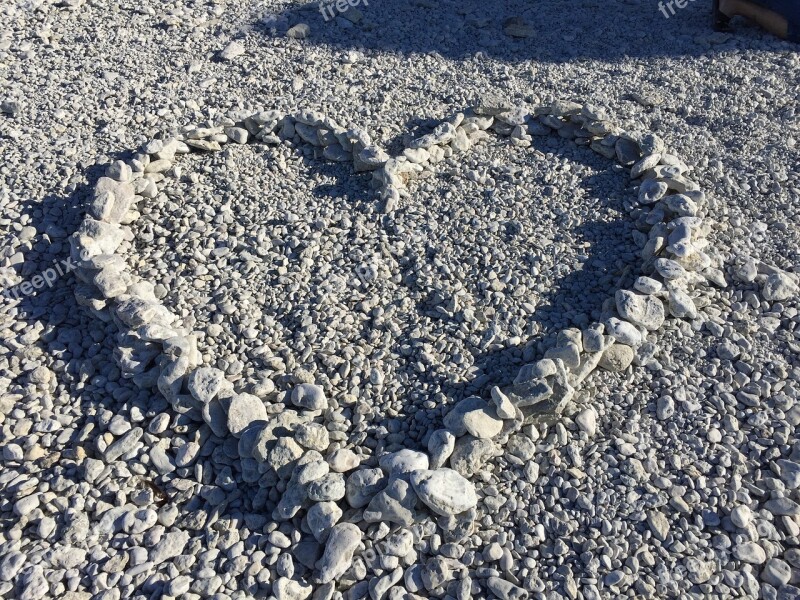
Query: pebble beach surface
(407, 300)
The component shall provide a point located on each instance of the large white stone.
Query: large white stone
(444, 491)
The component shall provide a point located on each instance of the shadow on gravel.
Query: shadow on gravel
(581, 288)
(46, 270)
(551, 31)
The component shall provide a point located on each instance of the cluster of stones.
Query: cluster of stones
(294, 444)
(670, 230)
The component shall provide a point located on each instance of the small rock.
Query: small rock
(750, 552)
(645, 311)
(343, 460)
(776, 572)
(245, 409)
(396, 503)
(789, 472)
(342, 542)
(624, 332)
(444, 491)
(779, 286)
(741, 516)
(504, 407)
(474, 416)
(435, 573)
(586, 420)
(521, 446)
(745, 268)
(289, 589)
(727, 350)
(784, 507)
(330, 487)
(470, 454)
(321, 517)
(10, 107)
(233, 50)
(363, 485)
(616, 358)
(517, 27)
(205, 383)
(312, 436)
(310, 396)
(440, 447)
(403, 462)
(505, 590)
(299, 32)
(123, 445)
(658, 524)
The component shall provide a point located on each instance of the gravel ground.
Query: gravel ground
(676, 478)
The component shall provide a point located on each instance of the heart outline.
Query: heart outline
(674, 252)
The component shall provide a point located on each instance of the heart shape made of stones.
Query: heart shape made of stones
(294, 445)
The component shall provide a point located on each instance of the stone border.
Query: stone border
(154, 351)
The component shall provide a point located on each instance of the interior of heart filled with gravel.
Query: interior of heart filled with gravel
(278, 261)
(233, 360)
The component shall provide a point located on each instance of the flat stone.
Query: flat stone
(643, 164)
(454, 419)
(669, 269)
(569, 353)
(396, 503)
(310, 396)
(205, 383)
(444, 491)
(403, 462)
(658, 524)
(776, 572)
(123, 445)
(530, 393)
(645, 311)
(505, 590)
(680, 205)
(503, 406)
(232, 51)
(750, 552)
(299, 32)
(784, 507)
(238, 135)
(624, 332)
(470, 454)
(440, 447)
(363, 485)
(778, 287)
(616, 358)
(586, 420)
(245, 409)
(370, 158)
